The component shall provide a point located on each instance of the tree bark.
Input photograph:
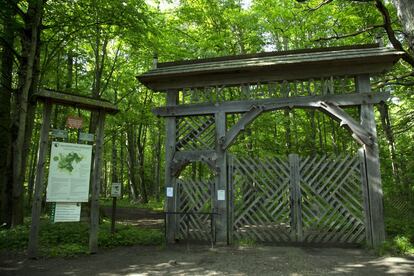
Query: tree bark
(5, 120)
(30, 41)
(389, 135)
(405, 12)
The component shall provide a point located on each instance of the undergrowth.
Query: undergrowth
(71, 239)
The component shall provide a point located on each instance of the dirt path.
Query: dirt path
(202, 260)
(143, 218)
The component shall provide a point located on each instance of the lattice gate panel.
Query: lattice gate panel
(195, 133)
(194, 197)
(322, 201)
(332, 200)
(260, 199)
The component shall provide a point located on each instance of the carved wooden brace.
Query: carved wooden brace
(248, 117)
(183, 158)
(362, 136)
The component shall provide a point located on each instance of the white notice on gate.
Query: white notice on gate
(67, 211)
(69, 173)
(221, 195)
(170, 192)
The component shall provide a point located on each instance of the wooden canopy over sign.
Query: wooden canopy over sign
(201, 93)
(77, 101)
(273, 66)
(102, 107)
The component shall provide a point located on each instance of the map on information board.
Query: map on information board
(69, 172)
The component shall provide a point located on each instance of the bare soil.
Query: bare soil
(190, 259)
(203, 260)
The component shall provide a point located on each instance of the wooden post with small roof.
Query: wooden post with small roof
(103, 107)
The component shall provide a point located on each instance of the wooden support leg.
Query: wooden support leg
(96, 184)
(221, 189)
(372, 165)
(38, 192)
(170, 180)
(296, 210)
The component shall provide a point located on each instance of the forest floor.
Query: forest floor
(190, 259)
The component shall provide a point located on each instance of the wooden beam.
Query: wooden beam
(372, 166)
(183, 158)
(96, 184)
(241, 124)
(295, 197)
(170, 180)
(221, 204)
(76, 101)
(343, 100)
(361, 135)
(38, 192)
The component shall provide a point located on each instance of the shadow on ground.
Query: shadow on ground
(203, 260)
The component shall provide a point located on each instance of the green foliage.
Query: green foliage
(70, 239)
(399, 245)
(246, 242)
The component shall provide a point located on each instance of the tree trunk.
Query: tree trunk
(132, 162)
(5, 101)
(30, 41)
(389, 135)
(405, 12)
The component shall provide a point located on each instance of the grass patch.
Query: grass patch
(399, 245)
(246, 242)
(127, 203)
(71, 239)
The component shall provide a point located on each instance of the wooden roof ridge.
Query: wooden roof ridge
(267, 54)
(75, 100)
(273, 66)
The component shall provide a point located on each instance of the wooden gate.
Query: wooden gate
(310, 200)
(194, 212)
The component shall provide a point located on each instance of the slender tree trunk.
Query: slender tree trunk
(122, 161)
(30, 48)
(132, 166)
(389, 135)
(5, 120)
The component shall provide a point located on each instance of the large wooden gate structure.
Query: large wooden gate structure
(307, 199)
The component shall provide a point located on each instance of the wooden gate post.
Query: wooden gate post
(170, 180)
(38, 192)
(295, 194)
(372, 167)
(221, 183)
(96, 184)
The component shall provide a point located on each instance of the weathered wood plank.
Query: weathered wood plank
(96, 184)
(235, 130)
(284, 67)
(221, 182)
(170, 180)
(296, 196)
(365, 191)
(372, 164)
(361, 135)
(344, 100)
(82, 102)
(38, 185)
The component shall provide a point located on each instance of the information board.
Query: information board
(66, 212)
(69, 172)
